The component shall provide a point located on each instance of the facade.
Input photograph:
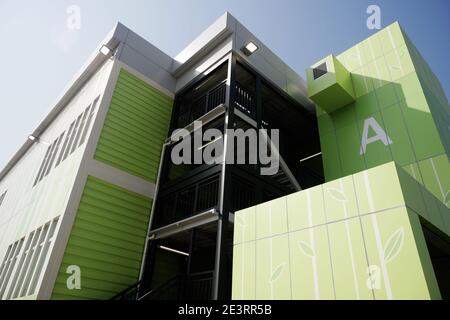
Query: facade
(379, 227)
(93, 206)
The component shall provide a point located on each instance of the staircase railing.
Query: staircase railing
(170, 290)
(197, 286)
(130, 293)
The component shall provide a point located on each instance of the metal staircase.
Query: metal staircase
(282, 178)
(196, 286)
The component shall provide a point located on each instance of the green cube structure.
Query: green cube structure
(358, 237)
(400, 113)
(330, 84)
(365, 234)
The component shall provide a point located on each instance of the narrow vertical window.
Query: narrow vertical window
(54, 153)
(44, 161)
(30, 258)
(2, 197)
(10, 266)
(80, 129)
(72, 137)
(89, 120)
(34, 246)
(63, 149)
(44, 246)
(43, 174)
(20, 273)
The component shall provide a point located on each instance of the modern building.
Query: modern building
(92, 206)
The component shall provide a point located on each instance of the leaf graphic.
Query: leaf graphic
(337, 194)
(239, 220)
(277, 273)
(306, 249)
(447, 198)
(393, 245)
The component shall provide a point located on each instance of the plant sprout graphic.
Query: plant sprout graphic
(391, 249)
(393, 245)
(306, 249)
(337, 194)
(276, 273)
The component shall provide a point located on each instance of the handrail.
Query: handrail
(136, 285)
(201, 273)
(162, 286)
(180, 279)
(186, 116)
(123, 293)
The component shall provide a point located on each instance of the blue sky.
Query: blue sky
(39, 55)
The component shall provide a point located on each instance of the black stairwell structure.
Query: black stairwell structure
(189, 248)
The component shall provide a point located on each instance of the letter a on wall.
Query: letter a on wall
(380, 135)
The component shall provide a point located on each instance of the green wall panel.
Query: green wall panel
(272, 274)
(311, 271)
(330, 156)
(350, 262)
(358, 237)
(272, 219)
(348, 143)
(332, 90)
(436, 177)
(244, 279)
(392, 250)
(106, 242)
(135, 127)
(434, 94)
(395, 87)
(402, 150)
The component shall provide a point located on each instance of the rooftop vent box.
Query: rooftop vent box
(330, 84)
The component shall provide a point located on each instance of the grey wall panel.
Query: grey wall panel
(147, 67)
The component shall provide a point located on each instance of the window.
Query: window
(320, 71)
(78, 130)
(76, 136)
(53, 154)
(30, 261)
(88, 122)
(64, 148)
(72, 137)
(8, 264)
(2, 197)
(44, 162)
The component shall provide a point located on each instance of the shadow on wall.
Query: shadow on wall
(392, 122)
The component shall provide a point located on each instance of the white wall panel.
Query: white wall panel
(26, 207)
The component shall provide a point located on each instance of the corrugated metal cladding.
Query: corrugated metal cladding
(135, 127)
(106, 242)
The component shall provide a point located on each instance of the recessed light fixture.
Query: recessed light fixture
(209, 142)
(310, 157)
(174, 251)
(105, 50)
(250, 48)
(33, 138)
